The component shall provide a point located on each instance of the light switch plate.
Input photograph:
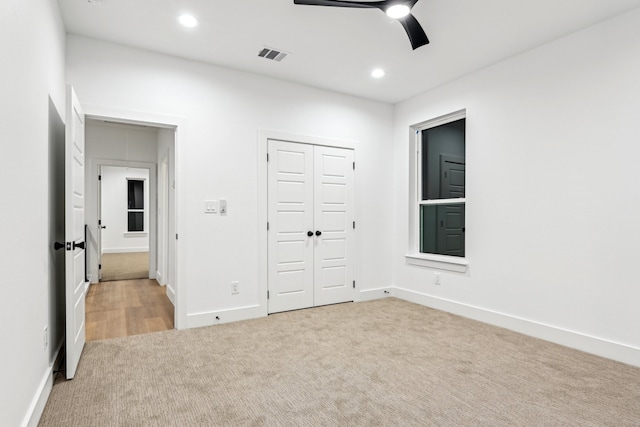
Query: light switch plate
(211, 206)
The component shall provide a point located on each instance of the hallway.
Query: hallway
(127, 307)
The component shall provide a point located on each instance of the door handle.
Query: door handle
(318, 233)
(58, 245)
(102, 227)
(78, 245)
(309, 233)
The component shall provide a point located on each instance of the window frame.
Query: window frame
(414, 256)
(143, 210)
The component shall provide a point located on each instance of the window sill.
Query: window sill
(441, 262)
(135, 234)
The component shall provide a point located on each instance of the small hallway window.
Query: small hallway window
(135, 205)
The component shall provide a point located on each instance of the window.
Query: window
(135, 205)
(439, 187)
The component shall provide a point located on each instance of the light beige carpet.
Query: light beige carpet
(125, 266)
(385, 362)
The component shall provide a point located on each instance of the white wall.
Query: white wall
(32, 45)
(552, 192)
(223, 112)
(113, 144)
(115, 237)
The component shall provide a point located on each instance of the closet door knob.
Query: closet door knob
(309, 233)
(318, 233)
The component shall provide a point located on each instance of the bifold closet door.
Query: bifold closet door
(311, 211)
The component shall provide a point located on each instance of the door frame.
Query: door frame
(153, 207)
(263, 207)
(178, 124)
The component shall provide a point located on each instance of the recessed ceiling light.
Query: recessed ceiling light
(377, 73)
(188, 21)
(398, 11)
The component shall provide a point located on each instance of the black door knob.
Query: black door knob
(309, 233)
(78, 245)
(318, 233)
(58, 245)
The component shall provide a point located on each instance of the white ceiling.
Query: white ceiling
(336, 48)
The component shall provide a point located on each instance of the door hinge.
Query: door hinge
(354, 165)
(354, 225)
(354, 284)
(267, 226)
(99, 222)
(99, 266)
(267, 157)
(99, 177)
(267, 294)
(176, 236)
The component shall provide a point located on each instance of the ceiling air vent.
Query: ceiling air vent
(274, 55)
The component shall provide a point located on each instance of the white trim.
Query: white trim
(126, 250)
(36, 408)
(441, 120)
(208, 318)
(590, 344)
(171, 294)
(264, 135)
(373, 294)
(458, 201)
(263, 138)
(180, 141)
(441, 262)
(135, 233)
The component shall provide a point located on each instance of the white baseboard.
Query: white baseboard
(598, 346)
(124, 250)
(36, 408)
(372, 294)
(197, 320)
(171, 294)
(159, 278)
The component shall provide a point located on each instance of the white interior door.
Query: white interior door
(311, 211)
(333, 218)
(101, 224)
(290, 201)
(74, 232)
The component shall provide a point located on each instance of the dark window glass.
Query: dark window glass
(443, 161)
(136, 221)
(442, 229)
(136, 194)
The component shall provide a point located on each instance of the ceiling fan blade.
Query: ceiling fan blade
(414, 30)
(340, 3)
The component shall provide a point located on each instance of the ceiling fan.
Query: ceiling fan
(397, 9)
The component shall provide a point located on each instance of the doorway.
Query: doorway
(128, 295)
(124, 222)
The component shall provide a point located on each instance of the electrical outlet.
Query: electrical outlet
(46, 337)
(235, 288)
(436, 279)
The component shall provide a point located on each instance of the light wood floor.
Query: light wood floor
(127, 307)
